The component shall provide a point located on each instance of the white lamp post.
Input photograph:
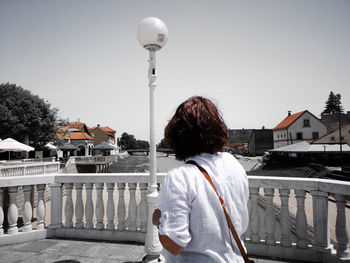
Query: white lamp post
(152, 34)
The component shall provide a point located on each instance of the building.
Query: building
(102, 134)
(298, 127)
(332, 137)
(78, 134)
(250, 141)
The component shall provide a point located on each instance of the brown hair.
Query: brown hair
(196, 127)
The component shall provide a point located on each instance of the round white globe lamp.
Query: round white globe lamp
(152, 33)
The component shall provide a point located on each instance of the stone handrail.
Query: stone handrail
(113, 207)
(318, 191)
(94, 159)
(29, 168)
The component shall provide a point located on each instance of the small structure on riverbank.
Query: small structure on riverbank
(303, 152)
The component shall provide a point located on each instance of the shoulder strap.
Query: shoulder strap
(229, 222)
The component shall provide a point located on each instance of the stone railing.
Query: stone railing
(308, 208)
(29, 231)
(29, 168)
(94, 159)
(76, 216)
(113, 207)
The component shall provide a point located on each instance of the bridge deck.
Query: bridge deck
(73, 251)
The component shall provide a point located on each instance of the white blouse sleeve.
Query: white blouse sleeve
(174, 204)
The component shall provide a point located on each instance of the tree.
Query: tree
(127, 141)
(163, 144)
(26, 117)
(333, 104)
(141, 144)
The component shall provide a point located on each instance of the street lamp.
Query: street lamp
(152, 34)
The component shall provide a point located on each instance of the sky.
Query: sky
(256, 60)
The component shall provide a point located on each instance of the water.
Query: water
(140, 164)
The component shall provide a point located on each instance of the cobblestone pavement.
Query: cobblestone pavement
(75, 251)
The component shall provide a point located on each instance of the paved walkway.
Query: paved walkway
(73, 251)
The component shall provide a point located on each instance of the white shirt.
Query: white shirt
(191, 213)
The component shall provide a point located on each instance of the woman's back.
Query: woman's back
(192, 214)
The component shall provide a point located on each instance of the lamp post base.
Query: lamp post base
(153, 258)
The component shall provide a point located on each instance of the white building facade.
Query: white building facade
(298, 127)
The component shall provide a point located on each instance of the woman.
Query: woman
(192, 225)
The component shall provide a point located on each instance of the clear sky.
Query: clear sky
(255, 59)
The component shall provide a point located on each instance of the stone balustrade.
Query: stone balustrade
(94, 159)
(109, 207)
(29, 168)
(276, 192)
(113, 207)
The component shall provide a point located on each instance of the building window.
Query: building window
(314, 135)
(333, 138)
(306, 123)
(299, 135)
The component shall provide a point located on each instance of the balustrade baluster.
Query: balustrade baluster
(79, 206)
(285, 218)
(100, 209)
(269, 217)
(341, 228)
(12, 215)
(254, 216)
(110, 207)
(1, 211)
(321, 240)
(301, 224)
(89, 206)
(132, 207)
(69, 209)
(56, 205)
(121, 206)
(27, 209)
(41, 210)
(143, 207)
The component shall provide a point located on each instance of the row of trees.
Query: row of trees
(128, 141)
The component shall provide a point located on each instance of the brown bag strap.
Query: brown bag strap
(229, 222)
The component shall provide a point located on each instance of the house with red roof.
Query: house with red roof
(333, 137)
(102, 134)
(298, 127)
(77, 133)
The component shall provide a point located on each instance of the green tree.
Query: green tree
(333, 104)
(163, 144)
(141, 144)
(25, 117)
(127, 141)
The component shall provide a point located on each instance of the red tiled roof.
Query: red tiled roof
(328, 133)
(288, 121)
(80, 136)
(61, 136)
(77, 125)
(106, 129)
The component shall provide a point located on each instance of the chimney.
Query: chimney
(289, 113)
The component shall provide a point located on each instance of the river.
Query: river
(140, 163)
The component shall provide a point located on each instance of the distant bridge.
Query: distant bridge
(146, 151)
